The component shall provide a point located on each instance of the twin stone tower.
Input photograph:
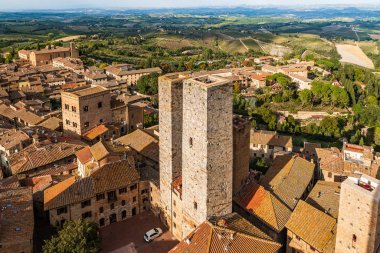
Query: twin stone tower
(196, 142)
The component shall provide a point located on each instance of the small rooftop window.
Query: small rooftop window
(366, 186)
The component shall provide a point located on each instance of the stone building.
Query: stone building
(207, 150)
(227, 233)
(130, 75)
(358, 220)
(45, 56)
(312, 225)
(241, 134)
(110, 194)
(335, 165)
(37, 158)
(85, 109)
(265, 144)
(270, 202)
(16, 220)
(171, 102)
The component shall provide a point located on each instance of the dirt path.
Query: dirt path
(244, 45)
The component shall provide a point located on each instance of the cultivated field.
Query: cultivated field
(70, 38)
(355, 55)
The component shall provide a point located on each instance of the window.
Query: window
(113, 218)
(191, 142)
(134, 199)
(85, 108)
(86, 124)
(111, 196)
(133, 187)
(174, 225)
(174, 214)
(329, 174)
(174, 203)
(123, 202)
(100, 105)
(86, 215)
(144, 191)
(73, 108)
(195, 205)
(61, 210)
(86, 203)
(112, 206)
(75, 124)
(124, 214)
(101, 222)
(134, 211)
(67, 107)
(101, 209)
(101, 121)
(100, 196)
(122, 190)
(67, 122)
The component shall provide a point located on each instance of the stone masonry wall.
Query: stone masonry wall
(170, 118)
(207, 151)
(358, 218)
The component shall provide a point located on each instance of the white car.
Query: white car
(152, 234)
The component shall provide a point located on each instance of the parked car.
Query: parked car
(152, 234)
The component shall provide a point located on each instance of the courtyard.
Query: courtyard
(127, 236)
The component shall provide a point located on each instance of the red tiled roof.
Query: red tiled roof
(84, 155)
(95, 132)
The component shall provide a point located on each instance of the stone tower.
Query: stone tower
(358, 228)
(241, 135)
(207, 150)
(170, 121)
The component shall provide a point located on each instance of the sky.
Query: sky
(65, 4)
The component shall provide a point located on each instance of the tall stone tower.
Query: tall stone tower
(170, 90)
(358, 228)
(207, 150)
(241, 134)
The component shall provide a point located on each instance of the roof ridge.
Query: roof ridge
(243, 234)
(210, 236)
(273, 209)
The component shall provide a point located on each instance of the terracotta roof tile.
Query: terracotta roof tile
(35, 156)
(271, 138)
(95, 132)
(84, 155)
(312, 225)
(274, 201)
(234, 234)
(16, 215)
(110, 176)
(142, 142)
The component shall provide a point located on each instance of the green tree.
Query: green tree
(148, 84)
(305, 96)
(376, 138)
(75, 237)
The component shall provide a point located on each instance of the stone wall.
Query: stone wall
(132, 202)
(170, 118)
(93, 116)
(207, 149)
(358, 223)
(241, 136)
